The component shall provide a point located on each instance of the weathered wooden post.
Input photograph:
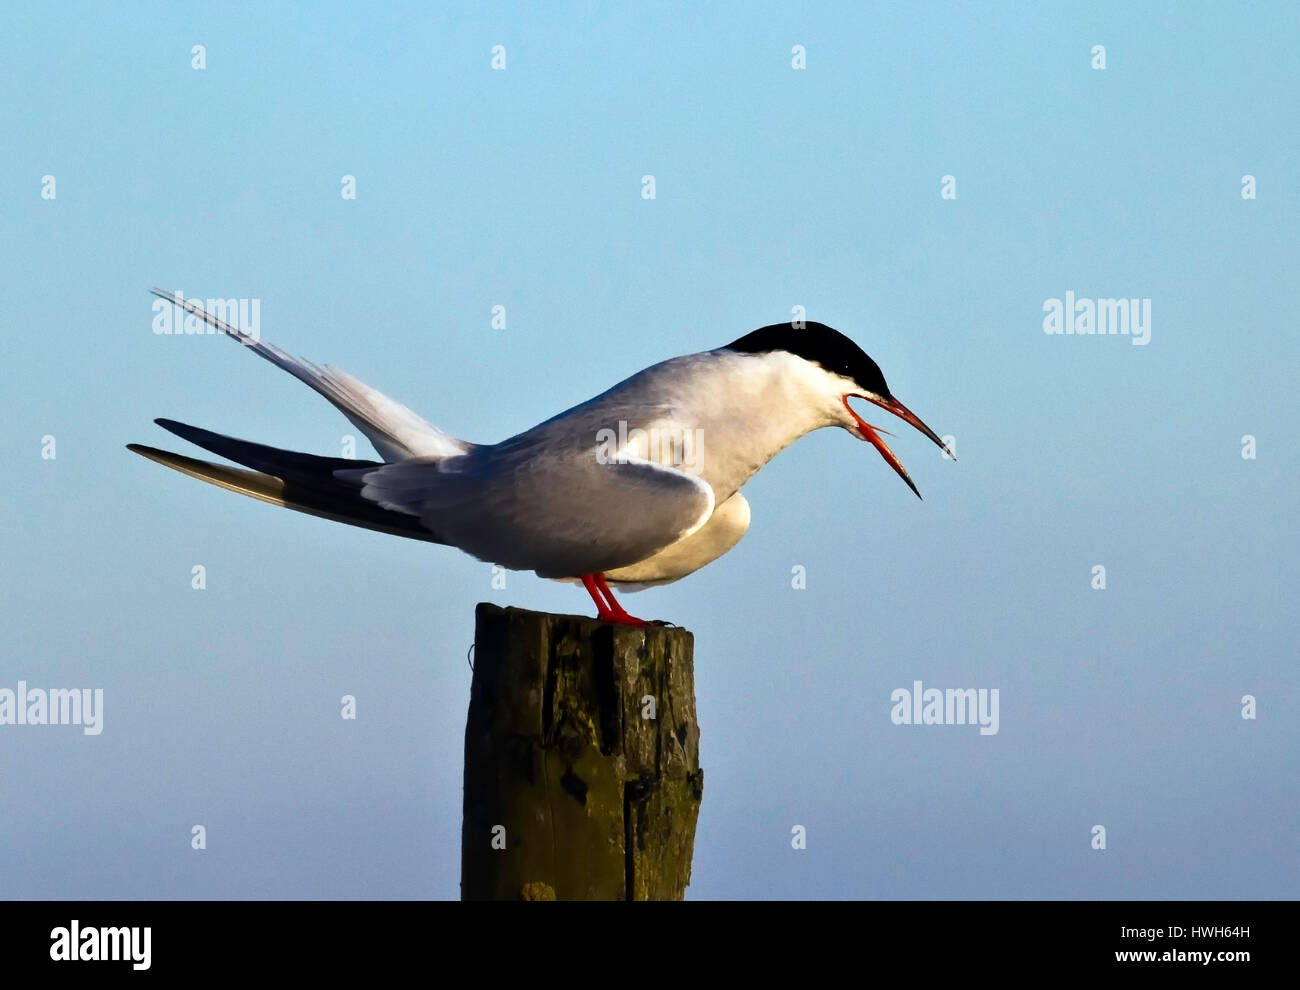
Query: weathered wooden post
(582, 774)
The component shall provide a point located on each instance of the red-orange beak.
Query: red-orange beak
(868, 432)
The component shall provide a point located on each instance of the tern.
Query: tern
(636, 487)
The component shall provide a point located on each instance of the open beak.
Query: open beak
(869, 433)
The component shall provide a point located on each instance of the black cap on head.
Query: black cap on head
(820, 344)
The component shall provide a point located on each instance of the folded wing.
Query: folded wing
(527, 509)
(302, 482)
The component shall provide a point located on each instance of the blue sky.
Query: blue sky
(775, 188)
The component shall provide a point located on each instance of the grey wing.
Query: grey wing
(723, 531)
(561, 513)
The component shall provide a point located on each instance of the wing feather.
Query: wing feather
(558, 515)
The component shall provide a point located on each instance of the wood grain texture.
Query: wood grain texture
(591, 799)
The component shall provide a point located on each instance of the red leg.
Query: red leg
(607, 608)
(615, 607)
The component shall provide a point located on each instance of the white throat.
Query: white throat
(738, 409)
